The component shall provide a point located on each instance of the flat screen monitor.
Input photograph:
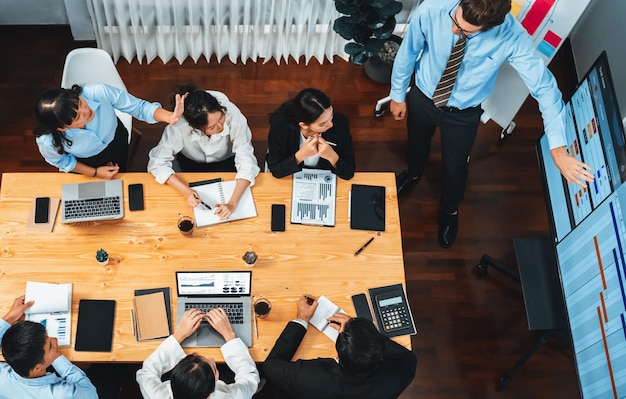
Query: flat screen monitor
(590, 234)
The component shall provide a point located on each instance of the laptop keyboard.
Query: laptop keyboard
(234, 311)
(92, 207)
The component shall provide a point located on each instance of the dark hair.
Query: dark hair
(198, 104)
(192, 378)
(56, 108)
(485, 13)
(305, 107)
(360, 347)
(23, 346)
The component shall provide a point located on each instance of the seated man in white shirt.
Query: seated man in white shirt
(212, 136)
(194, 376)
(29, 351)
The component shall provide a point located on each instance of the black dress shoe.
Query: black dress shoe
(404, 181)
(448, 227)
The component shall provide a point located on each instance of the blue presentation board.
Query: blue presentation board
(588, 229)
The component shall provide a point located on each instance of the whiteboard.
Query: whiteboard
(548, 22)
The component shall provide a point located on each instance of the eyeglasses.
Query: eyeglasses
(464, 33)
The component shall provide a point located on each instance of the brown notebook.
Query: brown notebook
(151, 316)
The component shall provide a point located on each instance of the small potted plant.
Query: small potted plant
(250, 258)
(102, 257)
(369, 24)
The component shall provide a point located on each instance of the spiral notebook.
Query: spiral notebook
(219, 193)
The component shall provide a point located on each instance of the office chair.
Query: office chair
(94, 65)
(543, 299)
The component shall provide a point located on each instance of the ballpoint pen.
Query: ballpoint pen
(203, 203)
(364, 246)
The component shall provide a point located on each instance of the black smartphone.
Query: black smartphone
(42, 209)
(135, 197)
(278, 217)
(361, 306)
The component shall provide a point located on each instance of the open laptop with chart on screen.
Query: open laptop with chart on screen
(206, 290)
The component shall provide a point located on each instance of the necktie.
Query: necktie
(446, 83)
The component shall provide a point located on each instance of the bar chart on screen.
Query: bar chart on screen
(593, 271)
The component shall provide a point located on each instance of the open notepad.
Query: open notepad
(325, 309)
(52, 308)
(219, 193)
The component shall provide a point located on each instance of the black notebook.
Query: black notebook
(94, 332)
(367, 207)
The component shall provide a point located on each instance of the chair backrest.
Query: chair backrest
(93, 65)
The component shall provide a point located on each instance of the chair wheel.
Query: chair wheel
(502, 382)
(481, 270)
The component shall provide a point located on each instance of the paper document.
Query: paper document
(52, 308)
(220, 193)
(325, 309)
(313, 197)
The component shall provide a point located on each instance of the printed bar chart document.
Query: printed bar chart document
(52, 308)
(313, 197)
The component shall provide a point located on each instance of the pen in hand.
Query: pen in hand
(364, 246)
(203, 203)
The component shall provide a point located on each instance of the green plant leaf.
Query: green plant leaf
(346, 7)
(391, 8)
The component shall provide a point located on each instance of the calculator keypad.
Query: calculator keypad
(395, 317)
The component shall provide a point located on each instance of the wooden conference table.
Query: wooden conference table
(146, 248)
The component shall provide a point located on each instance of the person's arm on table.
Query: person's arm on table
(225, 210)
(278, 367)
(103, 172)
(236, 356)
(165, 357)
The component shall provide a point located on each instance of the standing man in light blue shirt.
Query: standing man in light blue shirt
(492, 36)
(29, 352)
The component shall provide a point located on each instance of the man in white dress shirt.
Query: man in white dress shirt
(194, 376)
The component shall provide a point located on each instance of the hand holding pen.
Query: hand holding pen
(338, 321)
(194, 200)
(306, 307)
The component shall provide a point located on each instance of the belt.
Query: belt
(446, 108)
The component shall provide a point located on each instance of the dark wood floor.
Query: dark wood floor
(470, 330)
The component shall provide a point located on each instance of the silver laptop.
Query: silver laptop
(206, 290)
(82, 202)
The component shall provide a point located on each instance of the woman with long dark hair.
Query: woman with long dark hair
(306, 132)
(79, 132)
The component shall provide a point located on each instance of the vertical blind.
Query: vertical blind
(241, 30)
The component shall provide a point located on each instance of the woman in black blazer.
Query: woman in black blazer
(305, 132)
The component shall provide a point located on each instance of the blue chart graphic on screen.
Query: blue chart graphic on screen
(593, 272)
(583, 133)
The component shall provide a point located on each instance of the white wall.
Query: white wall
(32, 12)
(602, 27)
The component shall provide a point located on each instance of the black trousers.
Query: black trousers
(116, 152)
(187, 165)
(458, 132)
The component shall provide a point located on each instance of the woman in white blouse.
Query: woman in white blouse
(212, 136)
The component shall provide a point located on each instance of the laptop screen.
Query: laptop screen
(213, 283)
